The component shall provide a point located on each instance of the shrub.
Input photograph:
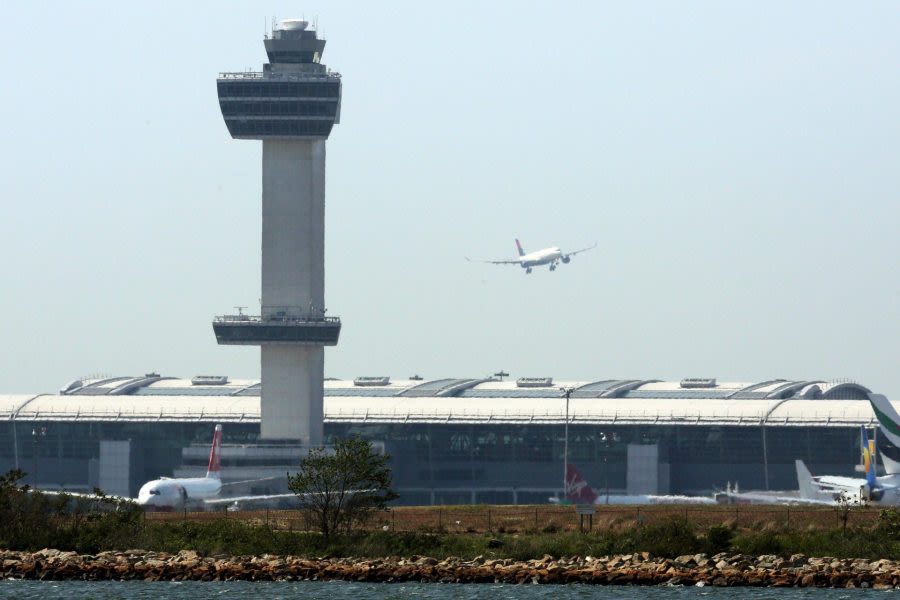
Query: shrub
(888, 523)
(670, 538)
(718, 539)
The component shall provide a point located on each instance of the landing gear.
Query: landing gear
(528, 271)
(552, 266)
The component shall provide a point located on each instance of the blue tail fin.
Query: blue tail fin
(519, 248)
(868, 455)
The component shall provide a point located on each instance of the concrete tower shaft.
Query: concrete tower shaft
(291, 106)
(293, 218)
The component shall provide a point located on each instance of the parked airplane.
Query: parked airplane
(168, 493)
(870, 489)
(547, 256)
(873, 490)
(579, 492)
(831, 489)
(807, 494)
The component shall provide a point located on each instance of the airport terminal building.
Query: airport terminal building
(451, 440)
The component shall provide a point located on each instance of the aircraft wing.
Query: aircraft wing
(653, 499)
(84, 495)
(780, 498)
(261, 498)
(580, 250)
(510, 261)
(838, 483)
(264, 497)
(245, 481)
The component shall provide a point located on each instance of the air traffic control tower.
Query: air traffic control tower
(291, 106)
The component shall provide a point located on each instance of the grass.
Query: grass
(33, 521)
(674, 538)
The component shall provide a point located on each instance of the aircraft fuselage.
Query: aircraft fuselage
(547, 256)
(169, 493)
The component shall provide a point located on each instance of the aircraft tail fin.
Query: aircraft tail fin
(888, 419)
(215, 460)
(805, 481)
(867, 448)
(519, 248)
(577, 489)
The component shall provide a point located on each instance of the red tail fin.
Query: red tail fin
(215, 462)
(577, 489)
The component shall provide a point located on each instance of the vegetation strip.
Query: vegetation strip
(722, 569)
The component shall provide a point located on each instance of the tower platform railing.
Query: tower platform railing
(276, 318)
(277, 328)
(329, 74)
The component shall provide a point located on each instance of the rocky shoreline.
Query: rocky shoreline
(630, 569)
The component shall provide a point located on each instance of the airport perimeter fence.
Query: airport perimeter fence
(544, 519)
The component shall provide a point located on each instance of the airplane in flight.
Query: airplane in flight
(547, 256)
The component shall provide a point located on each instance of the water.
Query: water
(338, 590)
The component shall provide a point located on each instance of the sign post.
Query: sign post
(585, 510)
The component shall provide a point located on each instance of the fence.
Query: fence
(547, 519)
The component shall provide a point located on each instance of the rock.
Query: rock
(798, 560)
(628, 569)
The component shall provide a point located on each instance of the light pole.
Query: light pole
(605, 439)
(37, 435)
(567, 392)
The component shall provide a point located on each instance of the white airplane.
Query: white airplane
(578, 491)
(872, 490)
(807, 494)
(832, 489)
(547, 256)
(169, 493)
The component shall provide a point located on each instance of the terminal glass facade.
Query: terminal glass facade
(456, 463)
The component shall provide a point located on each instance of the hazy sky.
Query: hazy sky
(737, 163)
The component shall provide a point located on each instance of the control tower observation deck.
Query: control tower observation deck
(291, 106)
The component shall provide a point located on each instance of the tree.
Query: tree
(847, 504)
(343, 486)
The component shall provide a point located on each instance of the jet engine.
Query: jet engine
(566, 259)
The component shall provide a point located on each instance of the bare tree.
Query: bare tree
(343, 487)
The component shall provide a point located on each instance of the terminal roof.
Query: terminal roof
(153, 397)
